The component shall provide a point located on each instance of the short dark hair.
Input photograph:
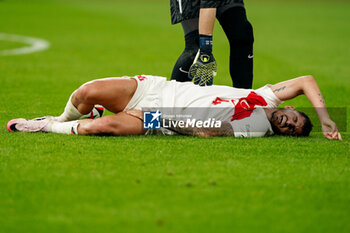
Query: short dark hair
(307, 127)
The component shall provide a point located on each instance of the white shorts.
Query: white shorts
(148, 92)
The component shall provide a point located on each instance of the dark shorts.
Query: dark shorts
(182, 10)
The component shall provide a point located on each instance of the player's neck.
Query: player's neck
(268, 112)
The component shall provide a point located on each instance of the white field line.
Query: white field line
(34, 44)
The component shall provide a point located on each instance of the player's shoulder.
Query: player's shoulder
(266, 92)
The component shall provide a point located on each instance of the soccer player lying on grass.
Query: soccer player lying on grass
(246, 113)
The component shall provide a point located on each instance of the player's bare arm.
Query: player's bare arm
(308, 86)
(207, 21)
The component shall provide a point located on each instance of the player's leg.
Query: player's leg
(239, 32)
(112, 93)
(184, 62)
(116, 125)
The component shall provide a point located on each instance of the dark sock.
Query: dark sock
(239, 32)
(184, 62)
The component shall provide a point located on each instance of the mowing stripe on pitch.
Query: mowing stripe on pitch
(34, 44)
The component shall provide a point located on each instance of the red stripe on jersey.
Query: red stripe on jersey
(219, 101)
(246, 105)
(141, 78)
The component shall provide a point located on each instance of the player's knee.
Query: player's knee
(86, 92)
(183, 64)
(188, 55)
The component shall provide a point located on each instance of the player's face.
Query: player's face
(287, 122)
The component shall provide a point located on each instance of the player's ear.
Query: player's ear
(290, 108)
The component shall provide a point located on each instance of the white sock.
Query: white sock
(69, 127)
(70, 112)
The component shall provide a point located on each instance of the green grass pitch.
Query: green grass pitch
(64, 183)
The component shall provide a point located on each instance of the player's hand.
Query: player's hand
(135, 113)
(330, 130)
(203, 69)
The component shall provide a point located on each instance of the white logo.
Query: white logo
(246, 103)
(155, 115)
(183, 71)
(250, 56)
(209, 123)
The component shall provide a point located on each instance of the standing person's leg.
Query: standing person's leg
(239, 33)
(184, 62)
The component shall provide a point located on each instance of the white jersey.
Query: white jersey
(243, 108)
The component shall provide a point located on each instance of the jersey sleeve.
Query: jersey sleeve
(271, 99)
(256, 125)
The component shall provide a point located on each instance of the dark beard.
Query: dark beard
(275, 129)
